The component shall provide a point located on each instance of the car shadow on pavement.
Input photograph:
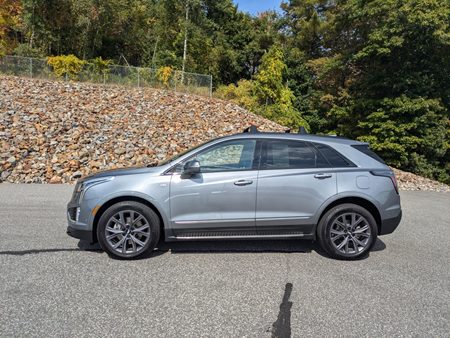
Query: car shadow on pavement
(229, 246)
(34, 251)
(237, 246)
(82, 246)
(248, 246)
(204, 247)
(233, 246)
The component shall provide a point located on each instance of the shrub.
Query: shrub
(163, 74)
(66, 65)
(243, 94)
(99, 66)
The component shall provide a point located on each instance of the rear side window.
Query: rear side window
(335, 159)
(286, 154)
(369, 152)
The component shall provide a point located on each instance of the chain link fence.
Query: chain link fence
(192, 83)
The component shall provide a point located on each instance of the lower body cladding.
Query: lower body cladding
(389, 225)
(85, 235)
(224, 233)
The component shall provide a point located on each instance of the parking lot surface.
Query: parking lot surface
(51, 286)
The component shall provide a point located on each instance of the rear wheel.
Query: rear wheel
(128, 230)
(347, 231)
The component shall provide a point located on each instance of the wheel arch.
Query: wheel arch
(116, 200)
(365, 203)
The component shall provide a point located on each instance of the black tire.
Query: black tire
(150, 217)
(341, 212)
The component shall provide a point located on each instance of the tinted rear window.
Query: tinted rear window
(287, 154)
(335, 158)
(369, 152)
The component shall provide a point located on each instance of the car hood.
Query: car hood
(122, 172)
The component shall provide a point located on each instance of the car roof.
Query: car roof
(293, 136)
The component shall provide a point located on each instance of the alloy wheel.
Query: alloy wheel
(350, 233)
(127, 232)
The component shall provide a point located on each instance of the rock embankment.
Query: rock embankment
(52, 131)
(410, 181)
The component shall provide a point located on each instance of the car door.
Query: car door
(221, 199)
(293, 182)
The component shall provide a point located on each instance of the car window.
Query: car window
(173, 158)
(335, 159)
(369, 152)
(228, 156)
(287, 154)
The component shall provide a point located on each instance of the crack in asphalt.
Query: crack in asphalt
(281, 328)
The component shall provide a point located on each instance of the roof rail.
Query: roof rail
(288, 131)
(302, 131)
(252, 130)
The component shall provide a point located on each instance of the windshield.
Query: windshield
(173, 158)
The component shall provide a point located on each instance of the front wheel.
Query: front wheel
(347, 231)
(128, 230)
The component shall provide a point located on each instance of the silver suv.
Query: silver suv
(252, 185)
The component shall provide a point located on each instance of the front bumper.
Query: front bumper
(389, 225)
(82, 207)
(85, 235)
(79, 223)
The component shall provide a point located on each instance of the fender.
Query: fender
(336, 197)
(123, 193)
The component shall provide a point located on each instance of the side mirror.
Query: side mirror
(191, 168)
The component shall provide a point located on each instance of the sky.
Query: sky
(257, 6)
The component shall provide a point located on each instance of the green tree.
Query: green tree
(378, 71)
(274, 96)
(267, 94)
(10, 19)
(409, 132)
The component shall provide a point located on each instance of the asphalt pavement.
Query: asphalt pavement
(51, 285)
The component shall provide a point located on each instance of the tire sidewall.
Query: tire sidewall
(145, 211)
(327, 221)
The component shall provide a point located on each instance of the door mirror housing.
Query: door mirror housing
(191, 168)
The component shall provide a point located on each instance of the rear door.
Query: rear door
(293, 182)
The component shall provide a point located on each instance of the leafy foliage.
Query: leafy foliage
(267, 94)
(163, 74)
(378, 71)
(410, 132)
(10, 18)
(99, 66)
(243, 94)
(66, 65)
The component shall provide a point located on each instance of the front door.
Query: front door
(294, 181)
(221, 199)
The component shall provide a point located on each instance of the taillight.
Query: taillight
(387, 173)
(394, 182)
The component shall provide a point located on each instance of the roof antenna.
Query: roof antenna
(302, 131)
(252, 130)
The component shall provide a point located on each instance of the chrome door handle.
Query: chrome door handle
(243, 182)
(322, 176)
